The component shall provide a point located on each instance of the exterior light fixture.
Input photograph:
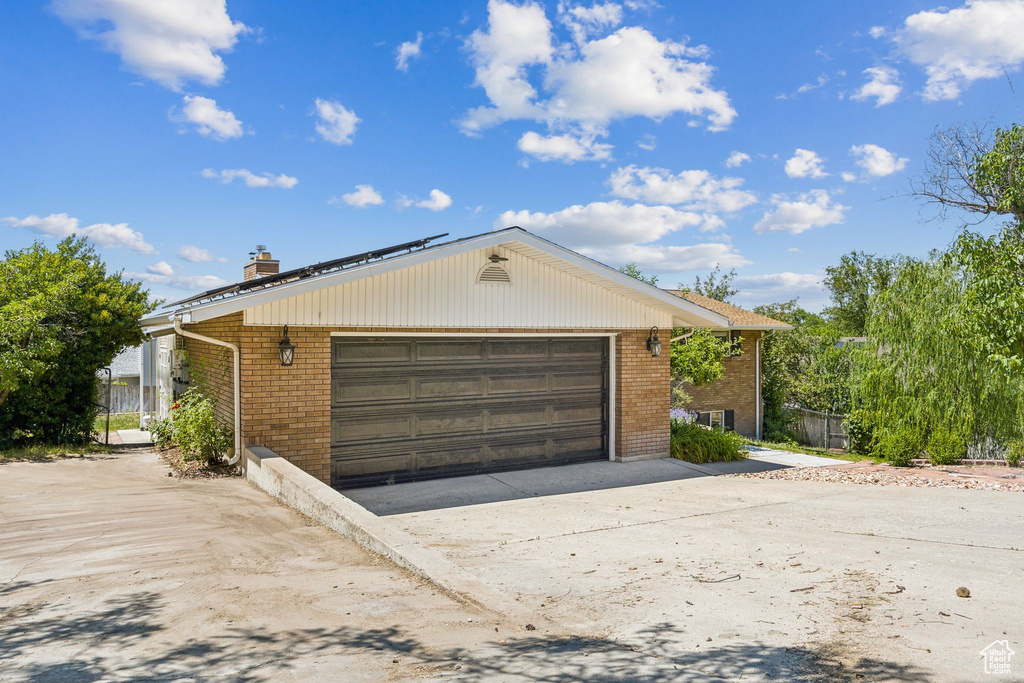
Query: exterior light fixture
(653, 343)
(287, 349)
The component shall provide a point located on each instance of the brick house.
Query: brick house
(492, 352)
(734, 400)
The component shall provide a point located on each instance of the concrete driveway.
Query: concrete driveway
(770, 576)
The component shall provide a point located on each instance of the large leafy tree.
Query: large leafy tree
(803, 367)
(62, 318)
(851, 283)
(946, 348)
(715, 285)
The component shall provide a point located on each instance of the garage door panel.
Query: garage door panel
(519, 349)
(506, 384)
(370, 351)
(371, 389)
(443, 407)
(445, 350)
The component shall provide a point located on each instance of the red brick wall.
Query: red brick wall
(288, 409)
(642, 392)
(736, 390)
(212, 367)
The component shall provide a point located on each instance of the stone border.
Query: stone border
(315, 499)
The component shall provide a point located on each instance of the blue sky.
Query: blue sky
(177, 136)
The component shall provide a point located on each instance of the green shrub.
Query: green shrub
(946, 447)
(698, 444)
(1015, 452)
(162, 431)
(860, 431)
(899, 445)
(196, 431)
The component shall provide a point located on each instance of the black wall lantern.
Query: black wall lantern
(653, 343)
(287, 350)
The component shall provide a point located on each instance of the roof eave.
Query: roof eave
(240, 302)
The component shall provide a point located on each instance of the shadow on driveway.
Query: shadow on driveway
(119, 640)
(439, 494)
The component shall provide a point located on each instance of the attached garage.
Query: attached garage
(405, 408)
(492, 352)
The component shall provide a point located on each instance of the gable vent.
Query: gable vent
(493, 274)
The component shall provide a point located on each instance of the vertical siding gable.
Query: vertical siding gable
(444, 293)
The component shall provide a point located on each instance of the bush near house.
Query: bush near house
(193, 428)
(698, 444)
(62, 318)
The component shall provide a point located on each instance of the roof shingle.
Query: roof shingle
(739, 318)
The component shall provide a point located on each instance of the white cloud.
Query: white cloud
(160, 268)
(812, 209)
(737, 159)
(589, 83)
(876, 31)
(364, 195)
(194, 254)
(228, 175)
(209, 120)
(168, 42)
(805, 164)
(956, 47)
(775, 287)
(883, 84)
(848, 177)
(335, 123)
(407, 51)
(603, 224)
(60, 225)
(647, 142)
(617, 233)
(697, 190)
(585, 21)
(163, 274)
(671, 259)
(566, 148)
(438, 201)
(877, 161)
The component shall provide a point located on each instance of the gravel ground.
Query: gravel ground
(866, 472)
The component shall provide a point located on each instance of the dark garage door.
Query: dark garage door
(422, 407)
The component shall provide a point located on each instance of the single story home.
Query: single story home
(734, 400)
(492, 352)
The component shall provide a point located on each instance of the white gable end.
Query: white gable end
(447, 293)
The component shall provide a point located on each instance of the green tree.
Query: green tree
(802, 367)
(62, 318)
(700, 358)
(851, 283)
(716, 285)
(924, 370)
(631, 270)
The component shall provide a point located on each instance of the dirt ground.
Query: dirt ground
(988, 478)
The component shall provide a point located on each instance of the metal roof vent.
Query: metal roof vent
(494, 273)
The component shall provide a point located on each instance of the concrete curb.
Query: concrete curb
(313, 498)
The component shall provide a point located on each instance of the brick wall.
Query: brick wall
(212, 366)
(736, 390)
(642, 390)
(288, 409)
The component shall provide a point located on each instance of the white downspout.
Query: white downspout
(681, 337)
(757, 383)
(237, 373)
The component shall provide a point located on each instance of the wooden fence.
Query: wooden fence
(123, 398)
(821, 430)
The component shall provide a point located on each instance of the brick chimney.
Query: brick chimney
(260, 264)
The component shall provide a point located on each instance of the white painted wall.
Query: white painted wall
(444, 293)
